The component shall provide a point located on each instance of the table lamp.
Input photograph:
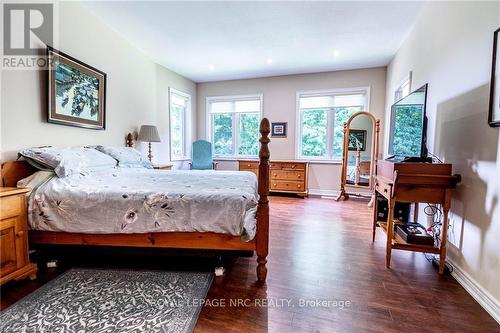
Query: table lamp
(149, 133)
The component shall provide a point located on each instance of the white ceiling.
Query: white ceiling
(208, 41)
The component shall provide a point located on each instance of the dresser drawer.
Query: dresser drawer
(248, 165)
(283, 185)
(293, 166)
(10, 206)
(288, 175)
(287, 166)
(275, 166)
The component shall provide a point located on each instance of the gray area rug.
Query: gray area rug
(94, 300)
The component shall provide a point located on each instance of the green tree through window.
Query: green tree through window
(234, 124)
(223, 133)
(322, 118)
(177, 130)
(314, 133)
(249, 134)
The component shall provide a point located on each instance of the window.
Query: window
(180, 109)
(233, 125)
(404, 88)
(321, 121)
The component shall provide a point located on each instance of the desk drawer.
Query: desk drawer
(288, 175)
(384, 189)
(294, 186)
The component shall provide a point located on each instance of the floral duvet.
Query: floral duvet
(137, 200)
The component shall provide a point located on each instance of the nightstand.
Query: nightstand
(163, 167)
(15, 262)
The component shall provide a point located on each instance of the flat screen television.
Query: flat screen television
(408, 131)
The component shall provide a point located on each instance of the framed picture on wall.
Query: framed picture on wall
(76, 92)
(357, 140)
(278, 130)
(494, 113)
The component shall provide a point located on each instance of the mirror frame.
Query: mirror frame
(345, 152)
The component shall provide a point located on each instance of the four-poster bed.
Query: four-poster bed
(14, 171)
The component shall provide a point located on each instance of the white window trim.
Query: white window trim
(298, 136)
(208, 120)
(408, 79)
(187, 122)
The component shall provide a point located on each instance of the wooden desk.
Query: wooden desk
(414, 183)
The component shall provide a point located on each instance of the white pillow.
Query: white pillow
(127, 157)
(68, 161)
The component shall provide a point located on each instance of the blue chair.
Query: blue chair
(202, 156)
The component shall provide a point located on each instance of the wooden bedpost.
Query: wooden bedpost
(262, 238)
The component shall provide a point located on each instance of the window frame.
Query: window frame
(185, 123)
(406, 81)
(235, 123)
(330, 121)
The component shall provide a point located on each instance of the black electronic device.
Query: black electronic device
(382, 208)
(408, 128)
(414, 233)
(401, 210)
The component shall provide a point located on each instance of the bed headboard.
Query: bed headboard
(131, 139)
(14, 171)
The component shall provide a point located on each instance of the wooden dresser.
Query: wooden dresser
(15, 263)
(285, 176)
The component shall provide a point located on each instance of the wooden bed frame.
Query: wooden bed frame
(13, 171)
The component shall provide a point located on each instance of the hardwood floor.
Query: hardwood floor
(319, 250)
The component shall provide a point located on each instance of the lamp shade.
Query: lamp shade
(148, 133)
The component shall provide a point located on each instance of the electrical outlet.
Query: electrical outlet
(219, 271)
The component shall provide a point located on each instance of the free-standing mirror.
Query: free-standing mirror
(359, 159)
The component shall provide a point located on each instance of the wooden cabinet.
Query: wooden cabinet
(285, 176)
(14, 255)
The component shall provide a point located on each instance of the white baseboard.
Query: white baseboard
(326, 193)
(483, 297)
(334, 193)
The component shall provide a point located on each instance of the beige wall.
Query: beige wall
(450, 48)
(137, 91)
(279, 95)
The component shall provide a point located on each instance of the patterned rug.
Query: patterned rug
(93, 300)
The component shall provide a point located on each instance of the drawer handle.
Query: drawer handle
(298, 176)
(298, 186)
(293, 166)
(274, 184)
(248, 165)
(20, 234)
(275, 174)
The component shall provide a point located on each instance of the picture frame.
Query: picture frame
(494, 107)
(357, 138)
(76, 92)
(278, 130)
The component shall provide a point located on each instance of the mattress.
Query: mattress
(137, 200)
